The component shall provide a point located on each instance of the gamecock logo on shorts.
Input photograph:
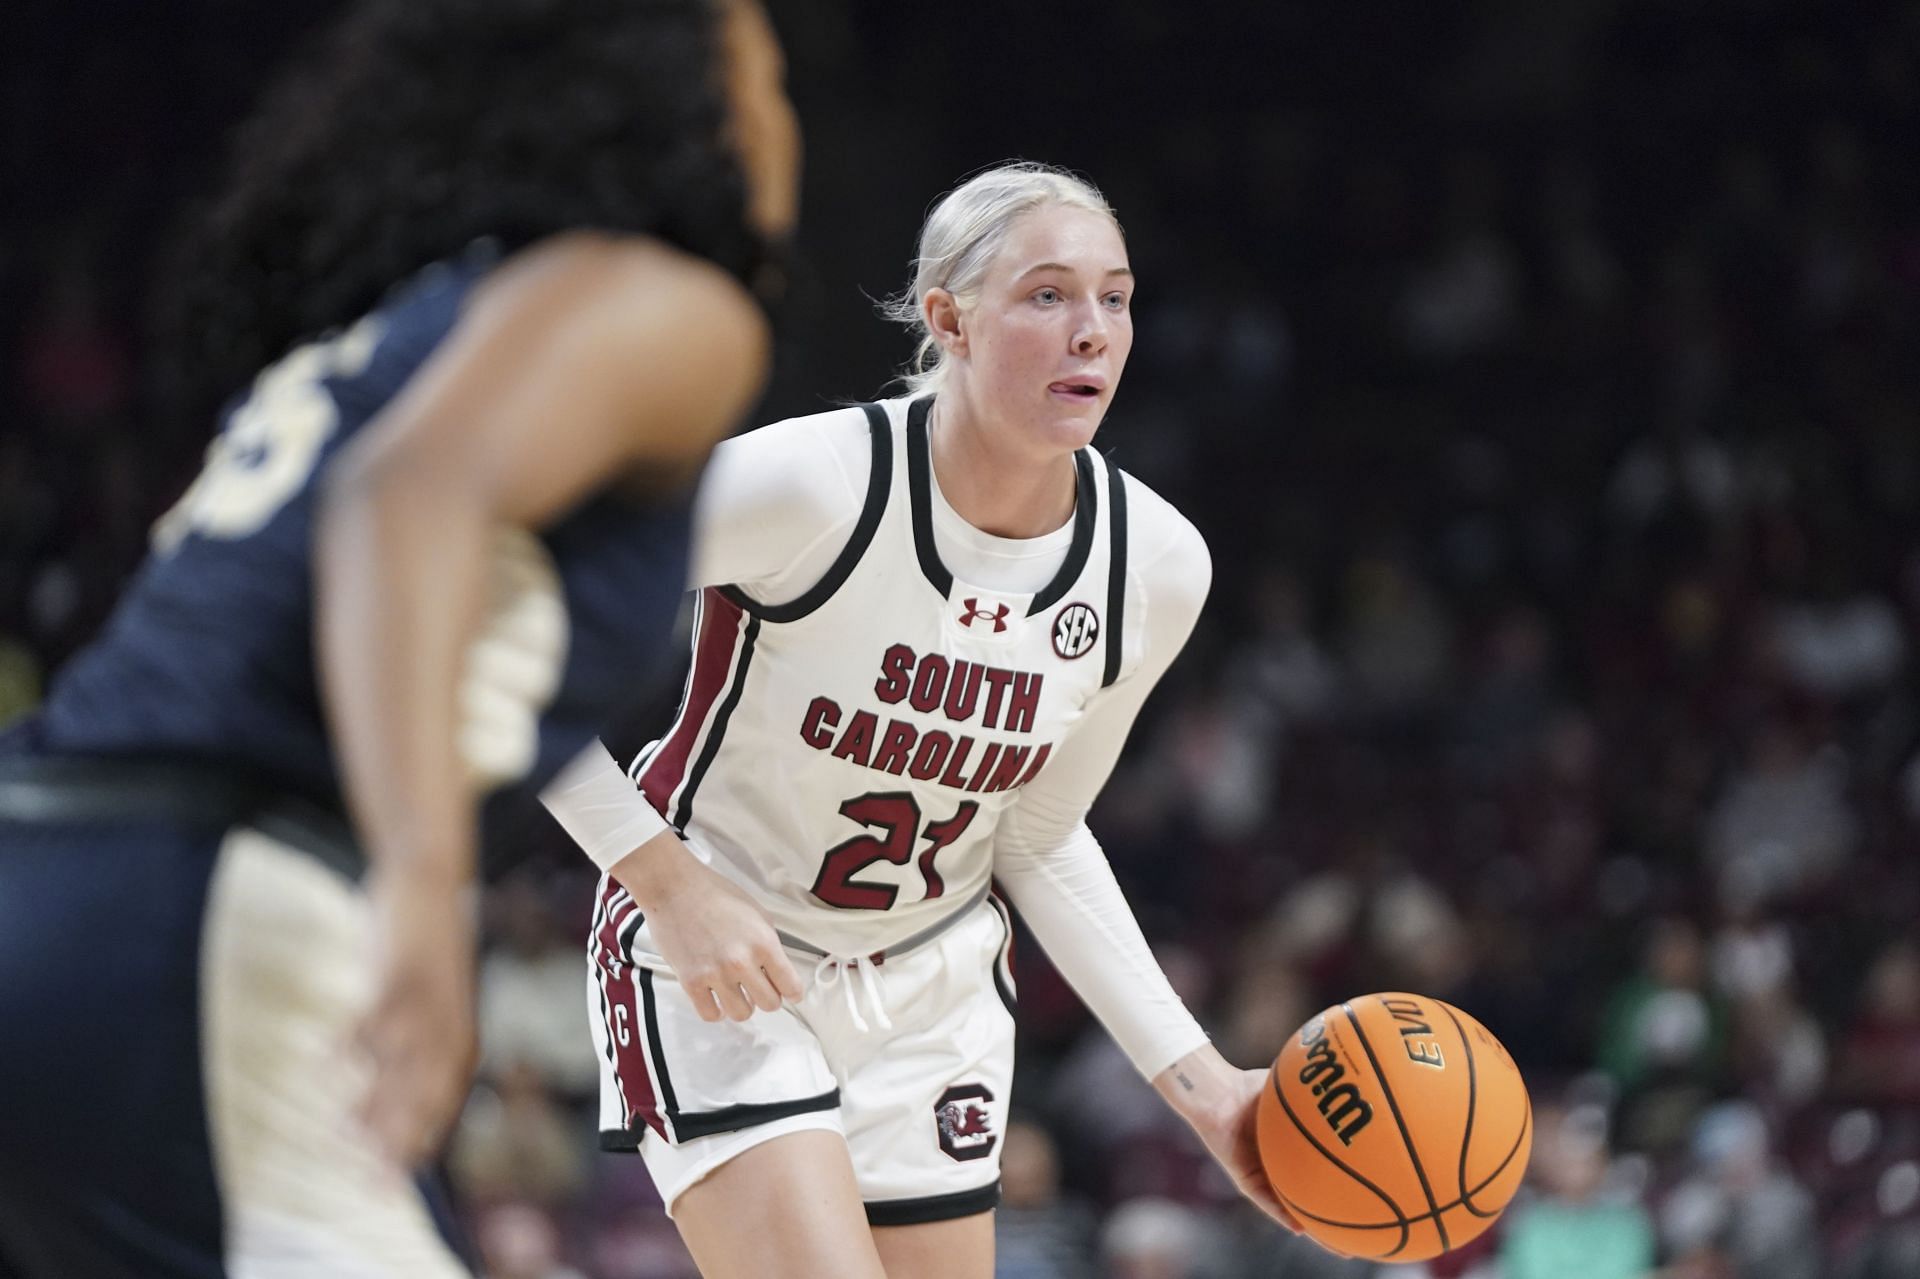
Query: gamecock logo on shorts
(965, 1123)
(1075, 628)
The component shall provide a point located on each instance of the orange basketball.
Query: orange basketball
(1395, 1127)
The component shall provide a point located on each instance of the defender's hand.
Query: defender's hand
(419, 1031)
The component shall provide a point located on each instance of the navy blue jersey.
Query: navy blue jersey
(210, 655)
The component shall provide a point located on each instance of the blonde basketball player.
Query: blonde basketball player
(925, 628)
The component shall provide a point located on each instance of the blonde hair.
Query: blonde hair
(962, 233)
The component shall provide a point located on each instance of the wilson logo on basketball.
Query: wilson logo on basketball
(1344, 1109)
(1075, 628)
(974, 613)
(965, 1123)
(1450, 1149)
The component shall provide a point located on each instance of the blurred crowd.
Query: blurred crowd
(1551, 414)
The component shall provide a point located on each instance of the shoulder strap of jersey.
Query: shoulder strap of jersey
(1086, 515)
(1116, 571)
(879, 485)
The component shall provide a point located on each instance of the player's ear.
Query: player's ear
(941, 311)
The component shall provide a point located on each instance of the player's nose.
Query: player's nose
(1090, 338)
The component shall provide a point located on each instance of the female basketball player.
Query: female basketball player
(926, 628)
(425, 551)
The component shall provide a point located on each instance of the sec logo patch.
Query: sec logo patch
(1075, 630)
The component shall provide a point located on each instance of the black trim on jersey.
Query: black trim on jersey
(683, 812)
(879, 485)
(1086, 509)
(917, 1212)
(1116, 571)
(920, 486)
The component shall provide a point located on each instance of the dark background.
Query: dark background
(1543, 379)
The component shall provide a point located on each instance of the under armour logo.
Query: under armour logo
(974, 613)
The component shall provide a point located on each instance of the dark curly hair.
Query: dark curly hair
(419, 126)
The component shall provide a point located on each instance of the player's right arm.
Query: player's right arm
(721, 948)
(584, 362)
(775, 507)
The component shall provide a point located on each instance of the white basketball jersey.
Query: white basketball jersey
(846, 756)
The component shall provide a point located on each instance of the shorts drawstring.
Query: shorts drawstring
(834, 969)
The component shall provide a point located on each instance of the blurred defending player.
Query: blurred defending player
(926, 628)
(502, 252)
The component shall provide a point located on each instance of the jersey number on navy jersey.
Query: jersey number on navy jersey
(897, 816)
(270, 444)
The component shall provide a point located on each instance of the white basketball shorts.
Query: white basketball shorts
(910, 1058)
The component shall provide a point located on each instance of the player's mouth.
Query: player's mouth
(1080, 392)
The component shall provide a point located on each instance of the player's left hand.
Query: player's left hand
(1231, 1141)
(419, 1032)
(1218, 1101)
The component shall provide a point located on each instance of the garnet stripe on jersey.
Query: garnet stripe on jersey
(618, 991)
(630, 1065)
(713, 648)
(718, 732)
(606, 1011)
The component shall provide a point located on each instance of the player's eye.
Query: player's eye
(1115, 301)
(1046, 297)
